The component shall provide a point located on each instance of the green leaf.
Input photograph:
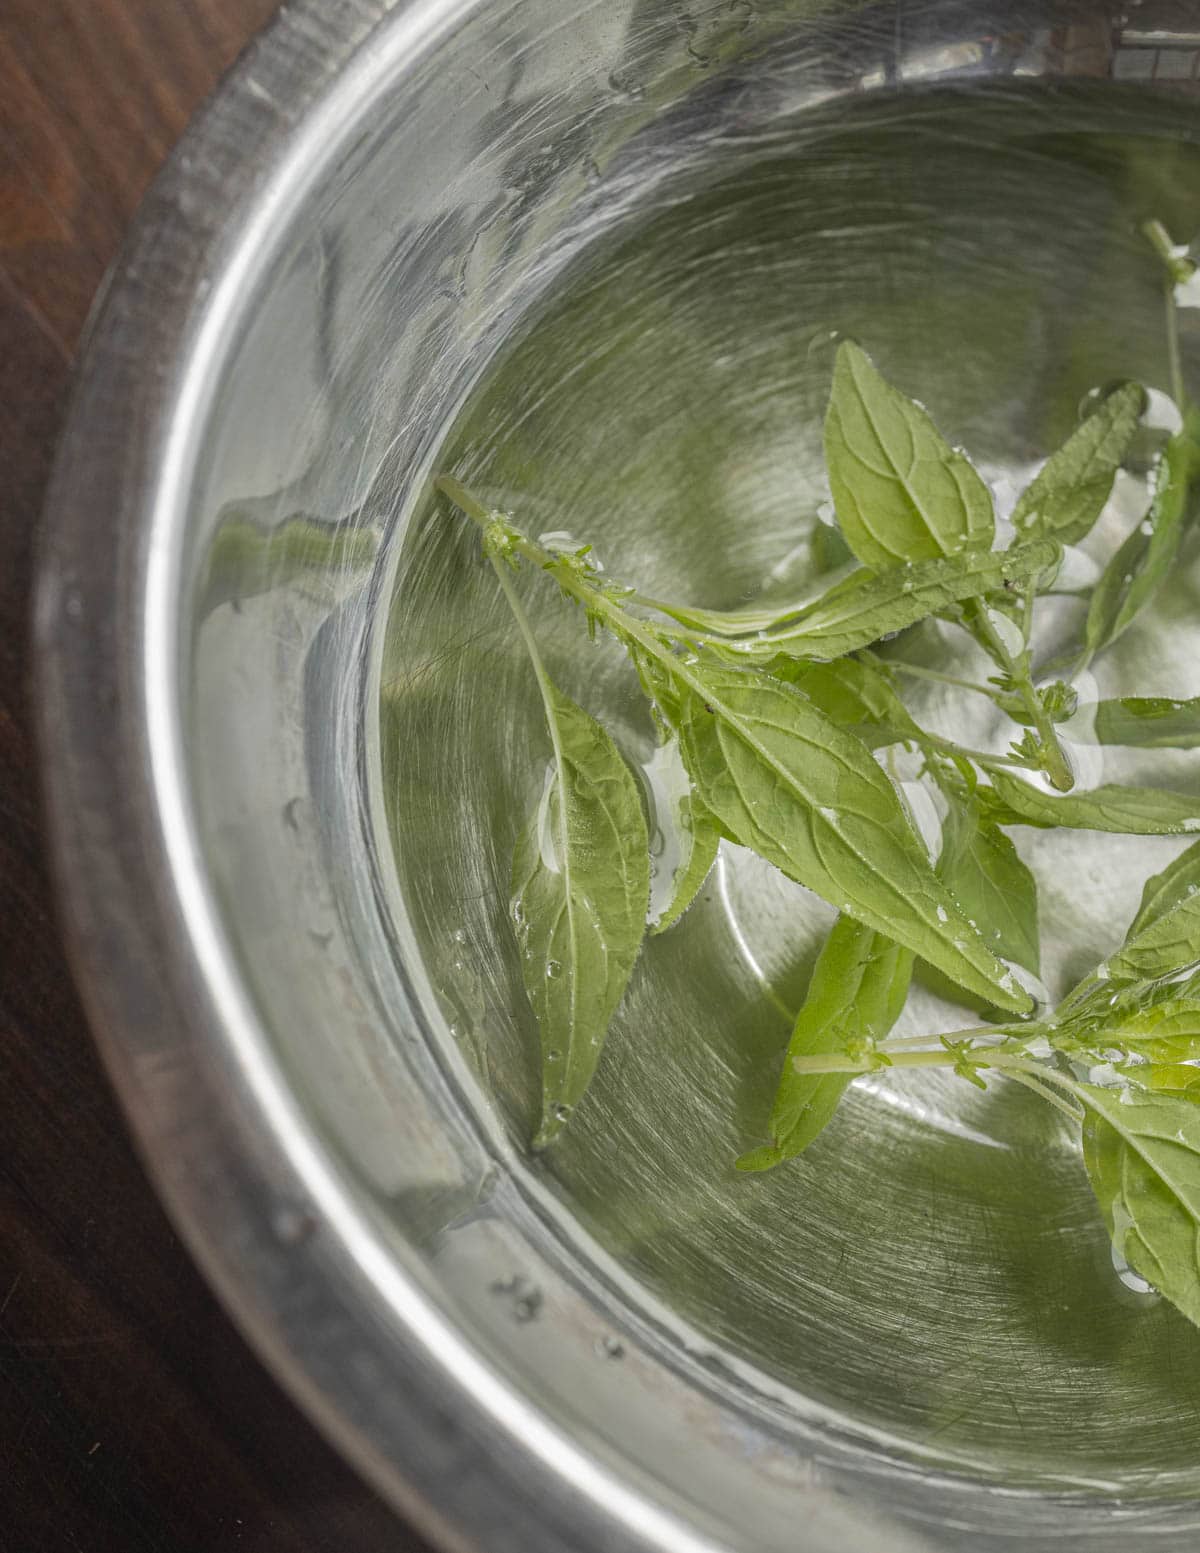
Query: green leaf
(1131, 811)
(701, 836)
(1149, 723)
(1164, 891)
(1167, 1032)
(900, 491)
(1068, 494)
(1142, 1152)
(1176, 1077)
(995, 889)
(1143, 560)
(866, 606)
(581, 882)
(1164, 937)
(858, 988)
(809, 798)
(854, 694)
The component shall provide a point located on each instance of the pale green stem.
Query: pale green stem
(1034, 1083)
(917, 671)
(1174, 357)
(1177, 270)
(545, 685)
(834, 1062)
(1054, 762)
(1009, 1035)
(980, 757)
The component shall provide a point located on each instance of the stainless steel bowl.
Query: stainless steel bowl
(286, 746)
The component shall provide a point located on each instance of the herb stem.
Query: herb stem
(1054, 762)
(938, 1057)
(1033, 1082)
(1177, 269)
(527, 636)
(981, 757)
(918, 671)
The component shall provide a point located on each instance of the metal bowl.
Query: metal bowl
(286, 746)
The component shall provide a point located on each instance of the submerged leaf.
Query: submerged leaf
(900, 491)
(1148, 723)
(1141, 564)
(701, 839)
(854, 694)
(1142, 1152)
(1068, 494)
(867, 606)
(1162, 892)
(581, 881)
(1132, 811)
(809, 798)
(993, 886)
(1164, 937)
(858, 988)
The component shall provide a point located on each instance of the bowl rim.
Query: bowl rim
(444, 1439)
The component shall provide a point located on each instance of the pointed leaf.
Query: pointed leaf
(1165, 935)
(866, 606)
(1178, 1078)
(1068, 494)
(1162, 892)
(1131, 811)
(995, 889)
(1148, 723)
(1141, 564)
(900, 491)
(581, 881)
(858, 988)
(701, 837)
(1142, 1152)
(807, 796)
(853, 694)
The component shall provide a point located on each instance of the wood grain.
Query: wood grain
(132, 1417)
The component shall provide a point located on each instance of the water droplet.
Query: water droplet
(518, 913)
(610, 1348)
(460, 935)
(562, 1113)
(554, 1055)
(525, 1298)
(553, 970)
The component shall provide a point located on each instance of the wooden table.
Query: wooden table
(133, 1419)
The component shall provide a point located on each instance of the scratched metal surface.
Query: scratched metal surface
(623, 245)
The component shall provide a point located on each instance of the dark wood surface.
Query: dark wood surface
(133, 1419)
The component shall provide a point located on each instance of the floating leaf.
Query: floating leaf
(858, 988)
(900, 491)
(1068, 494)
(581, 881)
(809, 798)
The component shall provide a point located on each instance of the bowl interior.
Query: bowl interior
(601, 279)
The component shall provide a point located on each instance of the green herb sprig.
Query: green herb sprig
(778, 717)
